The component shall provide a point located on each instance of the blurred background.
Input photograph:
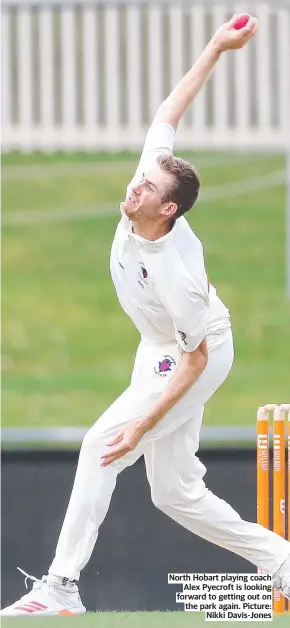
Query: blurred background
(81, 82)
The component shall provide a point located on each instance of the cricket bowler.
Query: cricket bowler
(184, 356)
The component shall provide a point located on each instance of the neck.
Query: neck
(151, 231)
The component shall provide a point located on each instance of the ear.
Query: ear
(169, 209)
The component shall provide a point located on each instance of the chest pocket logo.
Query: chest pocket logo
(143, 275)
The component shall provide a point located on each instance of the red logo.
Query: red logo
(165, 365)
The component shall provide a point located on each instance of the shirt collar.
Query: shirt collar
(152, 246)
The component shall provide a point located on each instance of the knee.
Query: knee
(93, 438)
(168, 498)
(160, 499)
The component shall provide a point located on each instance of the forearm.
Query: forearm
(190, 368)
(184, 93)
(227, 37)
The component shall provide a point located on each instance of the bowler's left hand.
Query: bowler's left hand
(126, 440)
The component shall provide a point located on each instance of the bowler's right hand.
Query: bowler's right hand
(228, 38)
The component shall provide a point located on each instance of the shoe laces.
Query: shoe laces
(280, 584)
(36, 581)
(37, 584)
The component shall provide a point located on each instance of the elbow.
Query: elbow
(200, 356)
(202, 363)
(203, 353)
(168, 114)
(197, 360)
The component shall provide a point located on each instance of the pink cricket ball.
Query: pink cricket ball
(241, 21)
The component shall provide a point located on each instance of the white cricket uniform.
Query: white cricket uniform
(162, 285)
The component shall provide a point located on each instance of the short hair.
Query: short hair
(185, 189)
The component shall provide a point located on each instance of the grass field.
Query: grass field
(136, 620)
(68, 349)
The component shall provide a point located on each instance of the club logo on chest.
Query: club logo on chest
(143, 274)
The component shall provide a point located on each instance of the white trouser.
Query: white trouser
(173, 470)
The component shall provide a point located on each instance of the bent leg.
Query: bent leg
(94, 485)
(182, 495)
(93, 488)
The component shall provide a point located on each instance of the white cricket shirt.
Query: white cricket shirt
(162, 285)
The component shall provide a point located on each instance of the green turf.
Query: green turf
(16, 158)
(136, 620)
(68, 348)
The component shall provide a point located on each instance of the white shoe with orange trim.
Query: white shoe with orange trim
(48, 596)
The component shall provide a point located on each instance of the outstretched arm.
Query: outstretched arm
(161, 135)
(184, 93)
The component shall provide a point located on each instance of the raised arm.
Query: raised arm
(161, 135)
(184, 93)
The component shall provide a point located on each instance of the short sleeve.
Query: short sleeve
(185, 298)
(159, 140)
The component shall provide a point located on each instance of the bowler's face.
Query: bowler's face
(144, 199)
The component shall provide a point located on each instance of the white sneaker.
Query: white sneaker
(281, 579)
(47, 598)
